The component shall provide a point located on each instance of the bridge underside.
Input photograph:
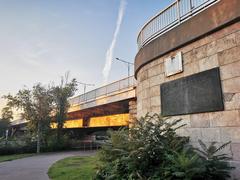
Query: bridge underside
(114, 114)
(120, 107)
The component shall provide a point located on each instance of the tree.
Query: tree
(61, 93)
(36, 106)
(7, 115)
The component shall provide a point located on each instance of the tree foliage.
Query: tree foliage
(7, 116)
(61, 93)
(151, 149)
(35, 106)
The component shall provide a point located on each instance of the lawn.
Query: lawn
(73, 168)
(13, 157)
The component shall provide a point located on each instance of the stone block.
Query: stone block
(230, 134)
(143, 76)
(155, 101)
(139, 88)
(145, 93)
(230, 70)
(156, 80)
(155, 70)
(208, 62)
(200, 52)
(238, 38)
(156, 62)
(226, 42)
(199, 120)
(155, 91)
(225, 119)
(183, 132)
(145, 84)
(231, 85)
(233, 103)
(236, 151)
(229, 56)
(146, 104)
(211, 134)
(188, 57)
(194, 133)
(191, 68)
(211, 48)
(156, 109)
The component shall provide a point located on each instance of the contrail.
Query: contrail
(109, 53)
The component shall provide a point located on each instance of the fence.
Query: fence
(105, 90)
(170, 17)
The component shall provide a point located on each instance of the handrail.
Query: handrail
(170, 17)
(104, 90)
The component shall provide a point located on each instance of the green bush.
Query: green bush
(53, 145)
(15, 146)
(151, 149)
(26, 144)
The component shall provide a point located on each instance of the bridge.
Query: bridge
(112, 105)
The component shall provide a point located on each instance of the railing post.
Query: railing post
(191, 7)
(178, 11)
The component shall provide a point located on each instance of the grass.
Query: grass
(13, 157)
(73, 168)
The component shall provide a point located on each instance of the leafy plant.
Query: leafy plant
(217, 166)
(138, 153)
(151, 149)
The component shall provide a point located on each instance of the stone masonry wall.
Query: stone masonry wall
(132, 111)
(220, 49)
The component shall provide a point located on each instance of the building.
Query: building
(188, 66)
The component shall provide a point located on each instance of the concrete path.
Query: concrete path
(35, 167)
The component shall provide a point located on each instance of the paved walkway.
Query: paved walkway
(35, 167)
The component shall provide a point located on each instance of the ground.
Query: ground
(73, 168)
(34, 167)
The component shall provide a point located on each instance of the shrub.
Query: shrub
(216, 164)
(15, 146)
(151, 149)
(54, 145)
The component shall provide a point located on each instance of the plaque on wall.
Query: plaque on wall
(173, 64)
(197, 93)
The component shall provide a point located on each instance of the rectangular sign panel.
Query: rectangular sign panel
(193, 94)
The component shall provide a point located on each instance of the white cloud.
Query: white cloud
(109, 53)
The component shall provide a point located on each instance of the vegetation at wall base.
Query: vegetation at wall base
(151, 149)
(73, 168)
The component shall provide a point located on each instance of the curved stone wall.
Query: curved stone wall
(219, 15)
(219, 49)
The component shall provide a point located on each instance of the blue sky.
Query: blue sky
(40, 40)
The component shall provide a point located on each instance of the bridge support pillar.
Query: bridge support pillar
(132, 111)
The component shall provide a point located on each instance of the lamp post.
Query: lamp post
(85, 87)
(126, 62)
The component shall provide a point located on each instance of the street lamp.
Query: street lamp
(126, 62)
(85, 87)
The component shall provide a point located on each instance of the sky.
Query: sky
(41, 40)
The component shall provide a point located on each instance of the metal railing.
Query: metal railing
(170, 17)
(103, 91)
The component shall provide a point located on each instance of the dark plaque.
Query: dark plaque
(193, 94)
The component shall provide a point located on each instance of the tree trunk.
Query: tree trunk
(38, 138)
